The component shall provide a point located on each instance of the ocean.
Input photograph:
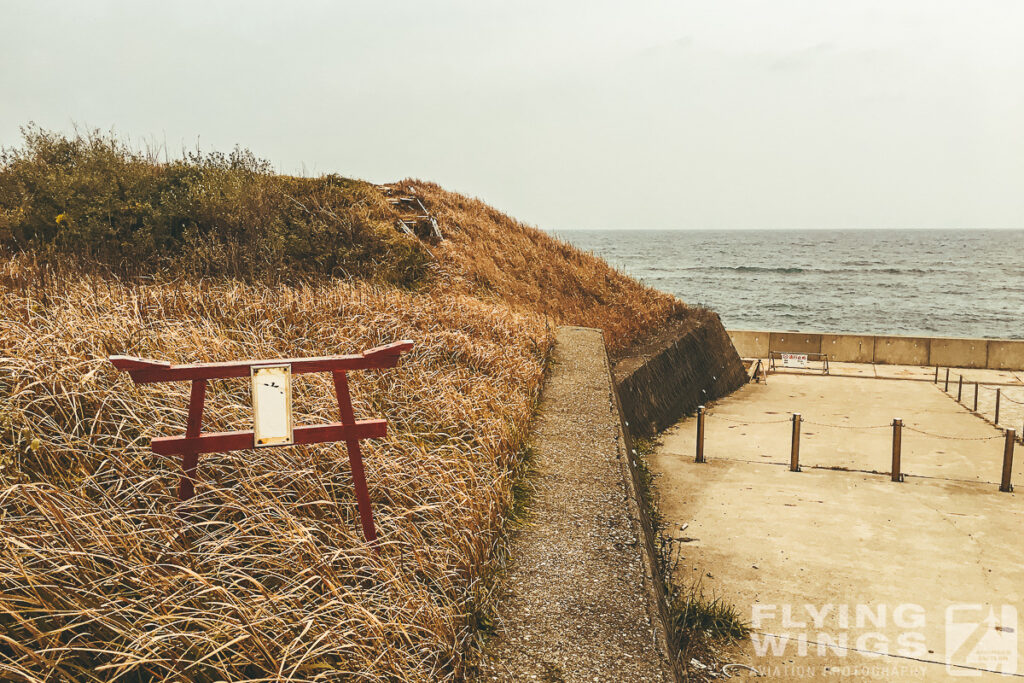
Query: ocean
(960, 283)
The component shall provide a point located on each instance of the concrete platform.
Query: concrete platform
(923, 373)
(905, 555)
(1011, 401)
(1009, 382)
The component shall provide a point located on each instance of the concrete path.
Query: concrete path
(577, 602)
(890, 580)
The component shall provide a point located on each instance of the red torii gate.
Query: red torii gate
(194, 442)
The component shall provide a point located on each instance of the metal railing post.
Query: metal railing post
(1005, 485)
(998, 395)
(975, 397)
(794, 453)
(946, 386)
(897, 448)
(700, 435)
(959, 388)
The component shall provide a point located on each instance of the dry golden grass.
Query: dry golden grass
(103, 576)
(495, 257)
(268, 577)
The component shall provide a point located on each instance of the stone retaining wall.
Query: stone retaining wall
(685, 371)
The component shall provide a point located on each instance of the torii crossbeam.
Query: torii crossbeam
(194, 441)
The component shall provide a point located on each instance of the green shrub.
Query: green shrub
(95, 199)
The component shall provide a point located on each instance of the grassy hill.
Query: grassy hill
(106, 250)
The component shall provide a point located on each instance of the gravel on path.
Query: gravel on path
(576, 598)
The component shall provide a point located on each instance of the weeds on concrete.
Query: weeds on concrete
(701, 622)
(702, 627)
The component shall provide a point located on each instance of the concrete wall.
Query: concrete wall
(902, 350)
(795, 342)
(653, 389)
(1005, 354)
(750, 344)
(998, 354)
(854, 348)
(688, 370)
(637, 483)
(961, 353)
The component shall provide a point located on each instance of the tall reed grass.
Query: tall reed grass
(264, 576)
(103, 576)
(498, 258)
(94, 199)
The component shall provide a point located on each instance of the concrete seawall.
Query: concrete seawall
(996, 354)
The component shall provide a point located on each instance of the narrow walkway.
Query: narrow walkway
(576, 601)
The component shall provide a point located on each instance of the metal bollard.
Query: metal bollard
(946, 387)
(897, 448)
(1008, 461)
(999, 393)
(700, 435)
(794, 453)
(959, 388)
(975, 397)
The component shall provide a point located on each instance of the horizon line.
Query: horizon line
(868, 229)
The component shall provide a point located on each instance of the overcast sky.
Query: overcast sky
(682, 114)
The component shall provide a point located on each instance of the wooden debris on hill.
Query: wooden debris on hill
(414, 218)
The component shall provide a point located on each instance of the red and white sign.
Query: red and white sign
(794, 360)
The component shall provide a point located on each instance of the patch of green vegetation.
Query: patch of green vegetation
(698, 616)
(92, 198)
(522, 487)
(644, 446)
(701, 625)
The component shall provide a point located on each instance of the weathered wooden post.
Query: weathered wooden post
(700, 435)
(998, 396)
(794, 452)
(355, 456)
(959, 388)
(946, 385)
(897, 447)
(1005, 484)
(936, 374)
(194, 426)
(975, 397)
